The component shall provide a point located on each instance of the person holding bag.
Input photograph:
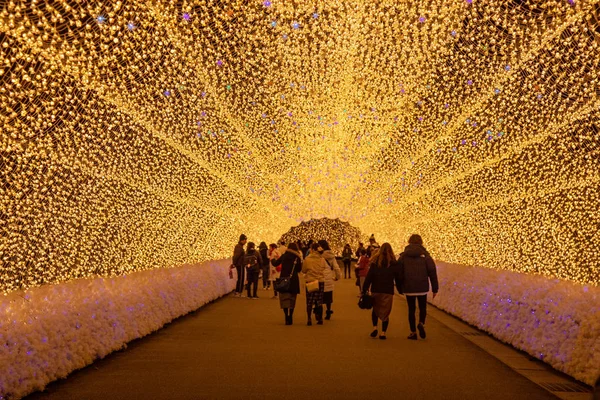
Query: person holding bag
(288, 284)
(382, 275)
(313, 269)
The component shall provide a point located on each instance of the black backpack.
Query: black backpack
(251, 260)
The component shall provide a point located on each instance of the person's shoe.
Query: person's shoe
(288, 320)
(309, 323)
(235, 295)
(328, 315)
(374, 333)
(320, 322)
(255, 298)
(412, 336)
(421, 329)
(382, 337)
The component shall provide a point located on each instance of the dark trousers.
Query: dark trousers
(347, 271)
(411, 300)
(266, 269)
(318, 312)
(239, 286)
(252, 282)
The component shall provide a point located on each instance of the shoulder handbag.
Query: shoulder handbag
(312, 286)
(365, 302)
(282, 285)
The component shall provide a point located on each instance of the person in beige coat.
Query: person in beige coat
(313, 268)
(332, 274)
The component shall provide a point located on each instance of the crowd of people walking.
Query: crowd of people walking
(283, 267)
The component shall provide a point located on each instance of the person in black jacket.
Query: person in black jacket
(252, 262)
(238, 261)
(382, 275)
(265, 267)
(358, 253)
(417, 269)
(291, 265)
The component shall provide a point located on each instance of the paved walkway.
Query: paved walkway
(241, 349)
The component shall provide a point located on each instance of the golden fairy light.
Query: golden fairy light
(137, 135)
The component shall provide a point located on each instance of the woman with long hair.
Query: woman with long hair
(417, 269)
(382, 275)
(313, 268)
(291, 263)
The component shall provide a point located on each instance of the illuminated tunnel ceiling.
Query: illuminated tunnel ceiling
(141, 134)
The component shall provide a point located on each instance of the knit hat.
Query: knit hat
(243, 237)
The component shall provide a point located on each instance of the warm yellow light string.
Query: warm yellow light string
(140, 135)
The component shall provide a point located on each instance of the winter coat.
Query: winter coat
(381, 280)
(290, 262)
(314, 267)
(265, 257)
(417, 269)
(357, 254)
(333, 273)
(238, 255)
(347, 254)
(250, 254)
(362, 266)
(273, 273)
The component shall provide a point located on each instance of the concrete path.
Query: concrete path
(241, 349)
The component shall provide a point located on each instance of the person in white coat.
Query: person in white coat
(273, 254)
(333, 273)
